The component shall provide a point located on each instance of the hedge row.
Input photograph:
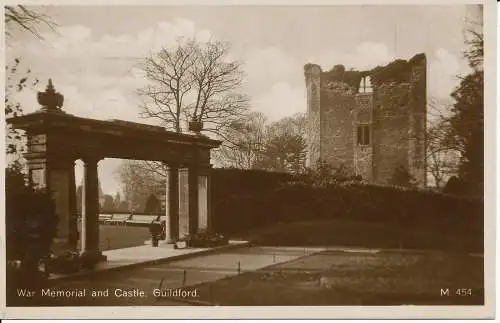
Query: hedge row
(241, 203)
(233, 181)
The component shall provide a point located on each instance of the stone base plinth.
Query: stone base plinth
(94, 255)
(62, 245)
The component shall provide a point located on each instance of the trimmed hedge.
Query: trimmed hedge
(239, 181)
(232, 185)
(246, 200)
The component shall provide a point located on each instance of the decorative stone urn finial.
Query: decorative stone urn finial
(50, 100)
(195, 125)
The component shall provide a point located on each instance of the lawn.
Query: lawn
(339, 278)
(361, 234)
(117, 237)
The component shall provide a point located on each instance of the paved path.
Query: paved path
(135, 286)
(132, 256)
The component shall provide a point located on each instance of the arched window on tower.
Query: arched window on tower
(366, 85)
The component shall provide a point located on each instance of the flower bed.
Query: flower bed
(202, 239)
(69, 262)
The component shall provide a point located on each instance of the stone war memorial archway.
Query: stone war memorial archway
(56, 139)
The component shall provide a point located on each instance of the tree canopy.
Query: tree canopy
(194, 81)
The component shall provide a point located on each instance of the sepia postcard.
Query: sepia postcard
(249, 160)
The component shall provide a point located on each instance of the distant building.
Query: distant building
(373, 123)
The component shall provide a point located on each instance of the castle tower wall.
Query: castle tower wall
(337, 115)
(363, 152)
(417, 122)
(312, 75)
(389, 116)
(390, 130)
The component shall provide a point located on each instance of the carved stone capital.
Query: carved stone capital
(90, 159)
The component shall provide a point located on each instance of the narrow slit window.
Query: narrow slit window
(363, 135)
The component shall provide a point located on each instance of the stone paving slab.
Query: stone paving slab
(143, 255)
(266, 250)
(184, 273)
(232, 261)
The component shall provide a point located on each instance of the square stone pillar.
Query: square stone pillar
(90, 217)
(73, 219)
(210, 200)
(193, 179)
(57, 176)
(183, 202)
(203, 202)
(172, 204)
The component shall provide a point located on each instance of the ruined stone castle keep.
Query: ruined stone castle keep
(372, 123)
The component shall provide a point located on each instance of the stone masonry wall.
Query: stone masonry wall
(337, 116)
(390, 130)
(313, 85)
(395, 111)
(417, 121)
(363, 154)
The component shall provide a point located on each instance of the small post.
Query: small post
(159, 287)
(184, 277)
(239, 267)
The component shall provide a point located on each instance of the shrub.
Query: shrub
(68, 262)
(205, 239)
(31, 225)
(31, 221)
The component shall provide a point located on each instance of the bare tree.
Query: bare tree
(139, 181)
(257, 144)
(285, 145)
(442, 160)
(246, 145)
(26, 19)
(474, 39)
(170, 82)
(16, 79)
(194, 81)
(442, 156)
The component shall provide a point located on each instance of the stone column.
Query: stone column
(184, 206)
(73, 219)
(203, 201)
(172, 207)
(204, 198)
(193, 198)
(90, 224)
(210, 202)
(58, 182)
(53, 174)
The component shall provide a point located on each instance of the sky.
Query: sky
(93, 53)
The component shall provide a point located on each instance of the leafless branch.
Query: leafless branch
(194, 81)
(27, 19)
